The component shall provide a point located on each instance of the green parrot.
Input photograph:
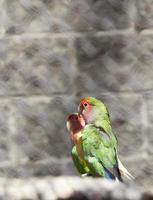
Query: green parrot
(98, 142)
(94, 151)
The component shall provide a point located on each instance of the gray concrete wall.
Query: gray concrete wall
(52, 53)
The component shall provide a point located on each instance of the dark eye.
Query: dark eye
(85, 104)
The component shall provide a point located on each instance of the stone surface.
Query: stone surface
(144, 17)
(46, 167)
(33, 142)
(149, 123)
(36, 66)
(114, 63)
(40, 124)
(66, 188)
(2, 16)
(5, 110)
(65, 15)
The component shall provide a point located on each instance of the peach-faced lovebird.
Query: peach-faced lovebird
(98, 142)
(75, 125)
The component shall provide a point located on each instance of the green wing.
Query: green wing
(99, 151)
(80, 164)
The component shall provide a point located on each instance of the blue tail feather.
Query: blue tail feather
(108, 175)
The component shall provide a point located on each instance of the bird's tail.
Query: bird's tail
(124, 171)
(108, 175)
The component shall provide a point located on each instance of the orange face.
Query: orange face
(75, 123)
(85, 109)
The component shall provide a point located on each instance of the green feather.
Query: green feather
(96, 169)
(79, 163)
(101, 149)
(98, 142)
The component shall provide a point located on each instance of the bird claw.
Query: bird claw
(84, 175)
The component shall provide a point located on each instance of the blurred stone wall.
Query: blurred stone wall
(52, 53)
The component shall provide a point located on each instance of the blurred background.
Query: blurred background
(53, 52)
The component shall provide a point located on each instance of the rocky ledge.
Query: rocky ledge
(64, 188)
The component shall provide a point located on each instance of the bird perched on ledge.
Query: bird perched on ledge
(95, 145)
(75, 125)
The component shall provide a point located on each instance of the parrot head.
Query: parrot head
(75, 123)
(92, 110)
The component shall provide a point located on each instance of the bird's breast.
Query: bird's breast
(77, 137)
